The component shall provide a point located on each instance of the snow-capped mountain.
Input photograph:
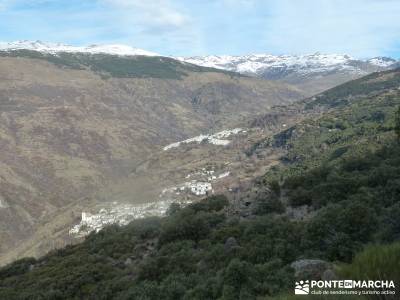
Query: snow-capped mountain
(311, 73)
(277, 67)
(382, 61)
(263, 65)
(114, 49)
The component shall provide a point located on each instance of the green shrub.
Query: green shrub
(211, 204)
(267, 205)
(17, 268)
(375, 262)
(397, 123)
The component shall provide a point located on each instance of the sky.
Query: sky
(361, 28)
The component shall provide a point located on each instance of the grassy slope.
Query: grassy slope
(119, 66)
(344, 166)
(351, 91)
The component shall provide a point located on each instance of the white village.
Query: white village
(199, 184)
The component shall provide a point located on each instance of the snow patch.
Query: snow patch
(302, 64)
(382, 61)
(54, 48)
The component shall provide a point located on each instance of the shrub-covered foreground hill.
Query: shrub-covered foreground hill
(341, 171)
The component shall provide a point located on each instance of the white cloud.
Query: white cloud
(164, 26)
(154, 13)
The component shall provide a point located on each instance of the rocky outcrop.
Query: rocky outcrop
(231, 244)
(314, 269)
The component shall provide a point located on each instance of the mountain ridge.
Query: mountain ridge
(247, 64)
(258, 64)
(313, 73)
(53, 48)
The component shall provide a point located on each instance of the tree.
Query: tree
(397, 124)
(173, 209)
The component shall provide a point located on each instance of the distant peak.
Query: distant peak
(382, 61)
(303, 64)
(40, 46)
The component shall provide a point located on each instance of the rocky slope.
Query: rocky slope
(74, 124)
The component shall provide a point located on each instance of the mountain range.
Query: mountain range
(89, 130)
(313, 73)
(113, 49)
(274, 67)
(308, 190)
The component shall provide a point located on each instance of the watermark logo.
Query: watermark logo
(302, 287)
(345, 287)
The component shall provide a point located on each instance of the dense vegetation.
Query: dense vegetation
(118, 66)
(191, 253)
(397, 126)
(375, 263)
(344, 167)
(365, 124)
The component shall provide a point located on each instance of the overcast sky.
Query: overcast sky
(361, 28)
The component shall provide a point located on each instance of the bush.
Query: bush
(339, 231)
(397, 123)
(18, 267)
(375, 262)
(267, 205)
(189, 225)
(210, 204)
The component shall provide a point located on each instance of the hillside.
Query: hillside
(71, 124)
(312, 73)
(334, 192)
